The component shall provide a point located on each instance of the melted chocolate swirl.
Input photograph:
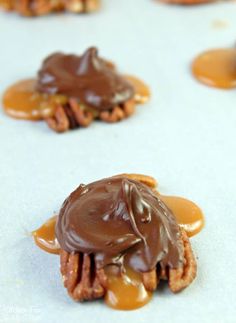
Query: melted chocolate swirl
(117, 220)
(87, 78)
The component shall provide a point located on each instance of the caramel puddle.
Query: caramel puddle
(189, 216)
(126, 290)
(22, 101)
(142, 92)
(216, 68)
(45, 238)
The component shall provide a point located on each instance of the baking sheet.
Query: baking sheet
(185, 137)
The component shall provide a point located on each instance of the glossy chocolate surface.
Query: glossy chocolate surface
(120, 220)
(88, 78)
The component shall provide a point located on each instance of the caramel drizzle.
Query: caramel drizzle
(125, 290)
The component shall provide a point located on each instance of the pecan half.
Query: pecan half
(59, 122)
(118, 113)
(70, 116)
(179, 278)
(82, 280)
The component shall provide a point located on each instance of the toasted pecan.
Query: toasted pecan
(182, 277)
(178, 278)
(118, 113)
(150, 280)
(69, 116)
(82, 280)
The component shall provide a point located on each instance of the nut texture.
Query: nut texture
(82, 280)
(73, 115)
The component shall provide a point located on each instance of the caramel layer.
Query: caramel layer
(216, 68)
(22, 101)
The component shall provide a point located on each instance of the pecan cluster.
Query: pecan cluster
(73, 115)
(85, 282)
(82, 280)
(43, 7)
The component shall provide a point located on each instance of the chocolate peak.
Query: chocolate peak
(88, 78)
(117, 220)
(89, 62)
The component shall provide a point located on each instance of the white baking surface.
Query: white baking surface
(185, 137)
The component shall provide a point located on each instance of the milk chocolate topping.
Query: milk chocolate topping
(88, 78)
(117, 220)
